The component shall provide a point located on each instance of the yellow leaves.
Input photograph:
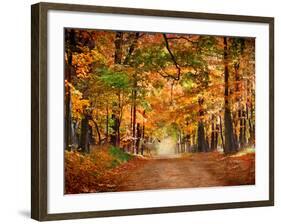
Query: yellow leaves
(78, 103)
(79, 170)
(78, 107)
(98, 57)
(84, 61)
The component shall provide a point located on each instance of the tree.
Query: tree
(85, 137)
(202, 145)
(70, 47)
(229, 144)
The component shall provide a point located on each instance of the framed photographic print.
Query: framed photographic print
(139, 111)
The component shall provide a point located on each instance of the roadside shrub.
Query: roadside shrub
(92, 172)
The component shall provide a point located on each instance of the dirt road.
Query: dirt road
(167, 173)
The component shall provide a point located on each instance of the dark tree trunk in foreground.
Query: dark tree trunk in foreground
(202, 145)
(67, 124)
(230, 144)
(70, 41)
(214, 134)
(85, 135)
(237, 117)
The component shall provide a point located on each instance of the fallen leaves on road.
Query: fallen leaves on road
(234, 169)
(102, 171)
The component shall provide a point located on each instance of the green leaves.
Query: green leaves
(207, 45)
(149, 57)
(187, 81)
(113, 79)
(237, 46)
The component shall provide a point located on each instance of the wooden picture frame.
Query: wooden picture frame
(39, 109)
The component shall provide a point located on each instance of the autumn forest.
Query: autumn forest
(157, 111)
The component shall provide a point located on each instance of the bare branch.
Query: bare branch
(173, 58)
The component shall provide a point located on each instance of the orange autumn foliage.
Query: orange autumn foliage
(86, 173)
(99, 171)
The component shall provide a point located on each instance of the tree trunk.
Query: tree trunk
(75, 136)
(251, 125)
(202, 145)
(138, 137)
(91, 138)
(118, 48)
(143, 132)
(70, 40)
(180, 142)
(107, 124)
(134, 125)
(98, 132)
(217, 136)
(131, 111)
(207, 143)
(131, 48)
(245, 127)
(221, 132)
(236, 118)
(134, 114)
(201, 140)
(68, 120)
(188, 142)
(84, 137)
(115, 137)
(119, 118)
(213, 135)
(143, 124)
(194, 146)
(230, 145)
(242, 134)
(114, 127)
